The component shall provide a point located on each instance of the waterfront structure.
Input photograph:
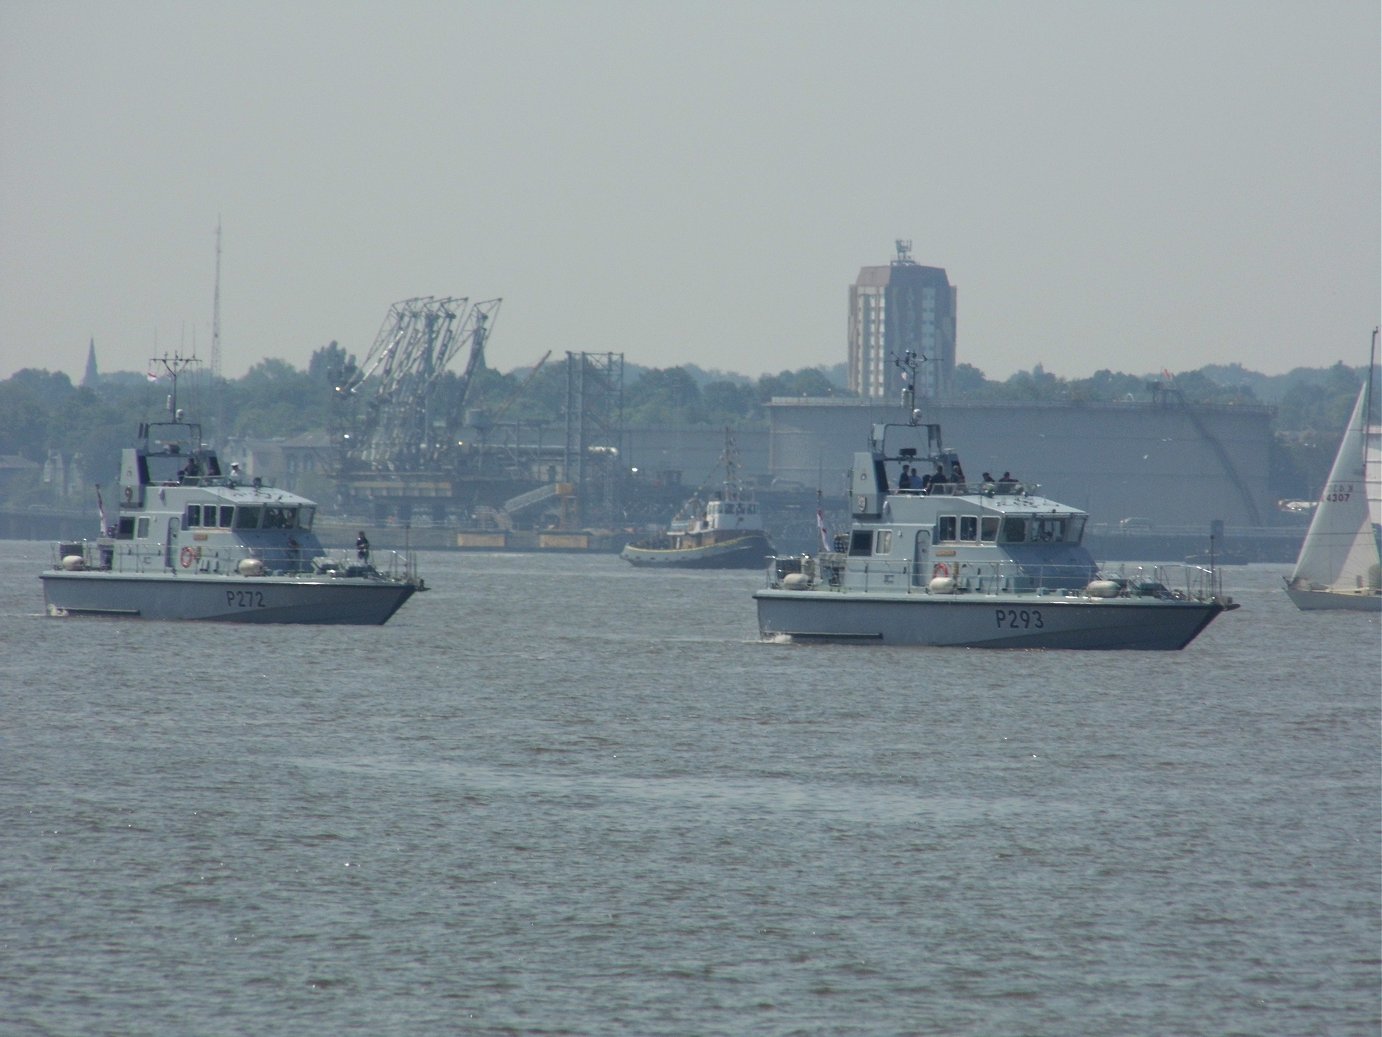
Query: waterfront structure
(894, 310)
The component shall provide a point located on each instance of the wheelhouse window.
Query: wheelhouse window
(883, 542)
(969, 527)
(1043, 529)
(227, 514)
(861, 542)
(305, 516)
(280, 517)
(945, 527)
(142, 531)
(247, 516)
(1049, 530)
(208, 515)
(988, 528)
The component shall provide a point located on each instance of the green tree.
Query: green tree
(665, 396)
(731, 403)
(24, 420)
(275, 399)
(968, 382)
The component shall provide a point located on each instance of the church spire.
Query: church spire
(91, 377)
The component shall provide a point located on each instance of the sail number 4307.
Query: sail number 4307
(1338, 492)
(1019, 619)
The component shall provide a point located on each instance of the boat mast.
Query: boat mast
(907, 363)
(174, 364)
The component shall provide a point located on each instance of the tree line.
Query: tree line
(42, 412)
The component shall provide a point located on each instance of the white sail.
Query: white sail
(1372, 461)
(1340, 553)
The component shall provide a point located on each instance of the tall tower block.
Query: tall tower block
(895, 308)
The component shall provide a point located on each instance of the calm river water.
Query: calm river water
(557, 795)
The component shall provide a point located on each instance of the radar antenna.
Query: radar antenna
(907, 363)
(174, 364)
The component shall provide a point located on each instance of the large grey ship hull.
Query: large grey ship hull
(983, 621)
(227, 599)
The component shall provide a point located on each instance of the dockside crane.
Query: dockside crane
(398, 422)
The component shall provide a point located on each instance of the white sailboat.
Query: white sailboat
(1340, 563)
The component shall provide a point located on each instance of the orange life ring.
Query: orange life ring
(941, 569)
(187, 556)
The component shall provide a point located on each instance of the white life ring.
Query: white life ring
(941, 569)
(862, 504)
(187, 556)
(129, 493)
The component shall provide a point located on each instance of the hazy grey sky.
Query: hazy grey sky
(1135, 186)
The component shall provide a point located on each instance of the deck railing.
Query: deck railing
(148, 556)
(828, 572)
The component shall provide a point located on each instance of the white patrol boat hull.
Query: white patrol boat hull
(319, 599)
(946, 562)
(746, 552)
(982, 620)
(192, 542)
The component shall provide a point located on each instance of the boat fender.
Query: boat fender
(188, 556)
(942, 585)
(796, 581)
(1103, 589)
(940, 569)
(73, 563)
(250, 567)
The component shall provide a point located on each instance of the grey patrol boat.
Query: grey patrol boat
(987, 564)
(191, 541)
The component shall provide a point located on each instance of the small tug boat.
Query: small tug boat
(984, 564)
(193, 542)
(724, 531)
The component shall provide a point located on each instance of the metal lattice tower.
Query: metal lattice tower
(595, 430)
(398, 422)
(217, 389)
(216, 313)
